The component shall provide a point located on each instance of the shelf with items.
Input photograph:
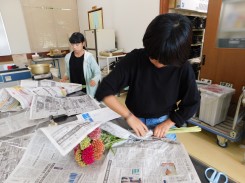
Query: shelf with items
(106, 69)
(195, 57)
(187, 12)
(198, 20)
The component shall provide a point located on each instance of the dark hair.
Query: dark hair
(168, 39)
(76, 37)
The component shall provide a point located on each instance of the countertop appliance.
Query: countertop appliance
(12, 77)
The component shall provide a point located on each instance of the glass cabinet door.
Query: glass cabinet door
(231, 31)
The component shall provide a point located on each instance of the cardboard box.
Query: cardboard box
(193, 5)
(172, 4)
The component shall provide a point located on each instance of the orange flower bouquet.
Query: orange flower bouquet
(92, 147)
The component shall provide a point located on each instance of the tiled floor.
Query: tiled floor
(202, 145)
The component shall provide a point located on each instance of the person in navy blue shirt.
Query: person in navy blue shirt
(162, 88)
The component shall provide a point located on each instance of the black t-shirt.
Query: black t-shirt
(153, 92)
(76, 70)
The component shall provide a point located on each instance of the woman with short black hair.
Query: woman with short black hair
(81, 67)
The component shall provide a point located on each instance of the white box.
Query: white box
(193, 5)
(215, 102)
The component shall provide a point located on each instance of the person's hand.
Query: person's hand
(161, 130)
(92, 83)
(138, 126)
(64, 79)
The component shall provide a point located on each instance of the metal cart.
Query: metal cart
(230, 129)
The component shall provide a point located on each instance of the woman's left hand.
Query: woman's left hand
(92, 83)
(161, 130)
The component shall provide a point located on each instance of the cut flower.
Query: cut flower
(92, 147)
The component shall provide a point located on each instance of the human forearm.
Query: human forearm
(112, 102)
(139, 127)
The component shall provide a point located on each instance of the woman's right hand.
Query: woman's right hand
(64, 79)
(138, 126)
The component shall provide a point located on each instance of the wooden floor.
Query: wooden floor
(202, 145)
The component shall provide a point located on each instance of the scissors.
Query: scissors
(214, 176)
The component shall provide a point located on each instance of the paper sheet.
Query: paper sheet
(103, 114)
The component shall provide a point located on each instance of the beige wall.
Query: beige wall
(129, 19)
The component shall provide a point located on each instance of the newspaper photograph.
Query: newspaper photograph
(148, 162)
(11, 152)
(43, 163)
(43, 107)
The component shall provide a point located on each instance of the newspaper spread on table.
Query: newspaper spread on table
(48, 91)
(21, 94)
(148, 162)
(122, 133)
(11, 152)
(65, 137)
(18, 121)
(7, 102)
(20, 97)
(70, 87)
(102, 114)
(49, 156)
(43, 163)
(43, 107)
(142, 161)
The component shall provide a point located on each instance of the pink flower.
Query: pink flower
(92, 147)
(88, 155)
(95, 134)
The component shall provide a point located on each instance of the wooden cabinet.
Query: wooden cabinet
(221, 64)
